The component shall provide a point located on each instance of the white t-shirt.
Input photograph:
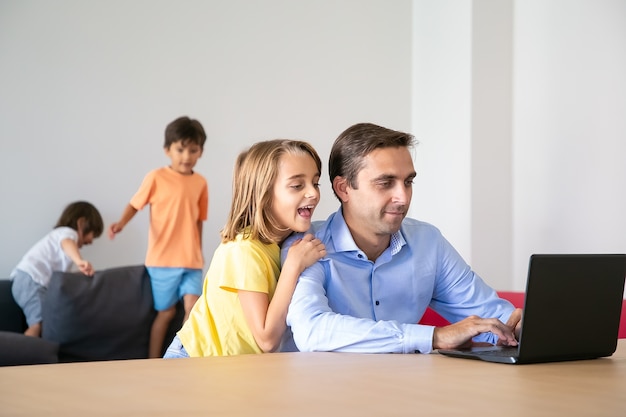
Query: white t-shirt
(47, 256)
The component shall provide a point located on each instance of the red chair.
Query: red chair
(432, 318)
(516, 298)
(622, 322)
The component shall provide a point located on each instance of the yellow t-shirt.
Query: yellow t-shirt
(177, 203)
(216, 324)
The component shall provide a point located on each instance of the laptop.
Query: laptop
(571, 311)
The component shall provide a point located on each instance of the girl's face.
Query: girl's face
(84, 238)
(296, 193)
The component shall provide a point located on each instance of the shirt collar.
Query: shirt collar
(396, 242)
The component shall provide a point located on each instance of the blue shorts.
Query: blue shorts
(176, 350)
(170, 285)
(29, 295)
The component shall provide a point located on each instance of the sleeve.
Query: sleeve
(143, 194)
(317, 328)
(245, 269)
(62, 233)
(460, 292)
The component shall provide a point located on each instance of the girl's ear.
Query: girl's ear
(340, 186)
(80, 224)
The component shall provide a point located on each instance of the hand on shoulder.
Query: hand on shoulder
(307, 251)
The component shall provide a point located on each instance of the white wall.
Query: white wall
(492, 114)
(442, 117)
(87, 87)
(462, 92)
(520, 107)
(569, 128)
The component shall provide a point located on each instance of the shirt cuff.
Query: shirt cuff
(418, 338)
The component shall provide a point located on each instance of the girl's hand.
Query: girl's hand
(85, 267)
(306, 251)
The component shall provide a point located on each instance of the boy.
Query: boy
(179, 201)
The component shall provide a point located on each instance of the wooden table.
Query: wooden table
(317, 384)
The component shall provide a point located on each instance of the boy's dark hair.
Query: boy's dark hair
(186, 130)
(82, 209)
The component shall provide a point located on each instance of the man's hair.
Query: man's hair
(358, 141)
(186, 130)
(82, 209)
(253, 181)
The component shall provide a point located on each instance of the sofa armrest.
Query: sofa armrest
(11, 316)
(19, 349)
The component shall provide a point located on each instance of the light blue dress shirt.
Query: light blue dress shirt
(348, 303)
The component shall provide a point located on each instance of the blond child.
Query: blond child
(246, 294)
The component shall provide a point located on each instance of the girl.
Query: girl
(79, 224)
(243, 306)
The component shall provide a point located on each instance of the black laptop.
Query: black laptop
(571, 311)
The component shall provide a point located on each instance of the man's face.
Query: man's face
(381, 201)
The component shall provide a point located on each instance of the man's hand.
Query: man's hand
(515, 323)
(460, 334)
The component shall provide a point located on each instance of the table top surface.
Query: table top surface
(316, 384)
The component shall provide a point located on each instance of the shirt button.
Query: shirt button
(377, 302)
(360, 256)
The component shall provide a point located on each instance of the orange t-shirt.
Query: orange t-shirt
(177, 203)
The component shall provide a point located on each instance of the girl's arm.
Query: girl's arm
(129, 213)
(266, 319)
(71, 249)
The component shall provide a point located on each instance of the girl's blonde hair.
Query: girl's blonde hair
(253, 181)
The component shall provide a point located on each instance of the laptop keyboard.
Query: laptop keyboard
(504, 351)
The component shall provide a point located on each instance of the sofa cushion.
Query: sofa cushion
(18, 349)
(107, 316)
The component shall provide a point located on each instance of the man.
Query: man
(383, 270)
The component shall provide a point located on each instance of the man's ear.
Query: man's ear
(340, 186)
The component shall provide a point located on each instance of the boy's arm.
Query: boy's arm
(129, 213)
(199, 225)
(70, 247)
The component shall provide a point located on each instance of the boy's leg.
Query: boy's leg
(158, 331)
(189, 300)
(165, 283)
(190, 289)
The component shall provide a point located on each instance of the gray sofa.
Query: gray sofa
(104, 317)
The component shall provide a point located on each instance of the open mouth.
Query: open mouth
(306, 211)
